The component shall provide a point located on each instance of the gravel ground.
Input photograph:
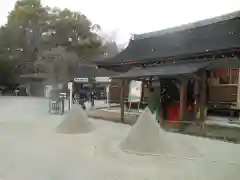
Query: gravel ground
(31, 150)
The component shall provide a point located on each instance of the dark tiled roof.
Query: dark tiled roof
(198, 38)
(197, 24)
(164, 70)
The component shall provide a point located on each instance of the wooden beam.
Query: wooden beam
(182, 91)
(122, 99)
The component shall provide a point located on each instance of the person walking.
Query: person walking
(92, 98)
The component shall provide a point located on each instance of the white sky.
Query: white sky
(138, 16)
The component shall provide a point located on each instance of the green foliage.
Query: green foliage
(31, 29)
(7, 73)
(73, 31)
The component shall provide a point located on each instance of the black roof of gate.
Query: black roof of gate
(203, 37)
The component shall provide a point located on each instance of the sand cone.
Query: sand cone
(146, 136)
(75, 122)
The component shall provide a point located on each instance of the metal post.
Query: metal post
(70, 88)
(107, 94)
(70, 99)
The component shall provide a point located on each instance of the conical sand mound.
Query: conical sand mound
(145, 137)
(75, 122)
(148, 138)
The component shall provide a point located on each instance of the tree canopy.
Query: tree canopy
(31, 29)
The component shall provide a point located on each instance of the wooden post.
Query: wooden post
(160, 87)
(142, 93)
(160, 96)
(238, 90)
(182, 89)
(150, 82)
(122, 100)
(196, 97)
(203, 94)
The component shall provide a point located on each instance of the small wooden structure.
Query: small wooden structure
(186, 52)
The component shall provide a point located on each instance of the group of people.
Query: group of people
(84, 96)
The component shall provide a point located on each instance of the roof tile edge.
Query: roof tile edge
(205, 22)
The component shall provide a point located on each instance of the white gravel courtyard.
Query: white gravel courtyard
(30, 149)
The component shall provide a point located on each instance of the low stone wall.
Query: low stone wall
(112, 116)
(213, 131)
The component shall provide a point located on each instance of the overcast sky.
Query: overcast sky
(138, 16)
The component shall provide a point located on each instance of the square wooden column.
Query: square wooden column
(238, 90)
(196, 97)
(160, 96)
(203, 95)
(142, 92)
(122, 99)
(183, 99)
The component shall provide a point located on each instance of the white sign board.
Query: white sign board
(107, 89)
(135, 91)
(80, 79)
(70, 85)
(102, 79)
(48, 89)
(107, 93)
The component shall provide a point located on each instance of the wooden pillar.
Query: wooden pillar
(94, 93)
(142, 92)
(160, 99)
(150, 83)
(160, 92)
(238, 90)
(182, 91)
(203, 95)
(122, 99)
(196, 97)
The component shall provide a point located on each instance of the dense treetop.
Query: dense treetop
(33, 29)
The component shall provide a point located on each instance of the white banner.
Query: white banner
(102, 79)
(80, 79)
(70, 85)
(135, 91)
(48, 89)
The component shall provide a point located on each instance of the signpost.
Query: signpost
(107, 94)
(82, 80)
(70, 88)
(48, 89)
(16, 92)
(135, 92)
